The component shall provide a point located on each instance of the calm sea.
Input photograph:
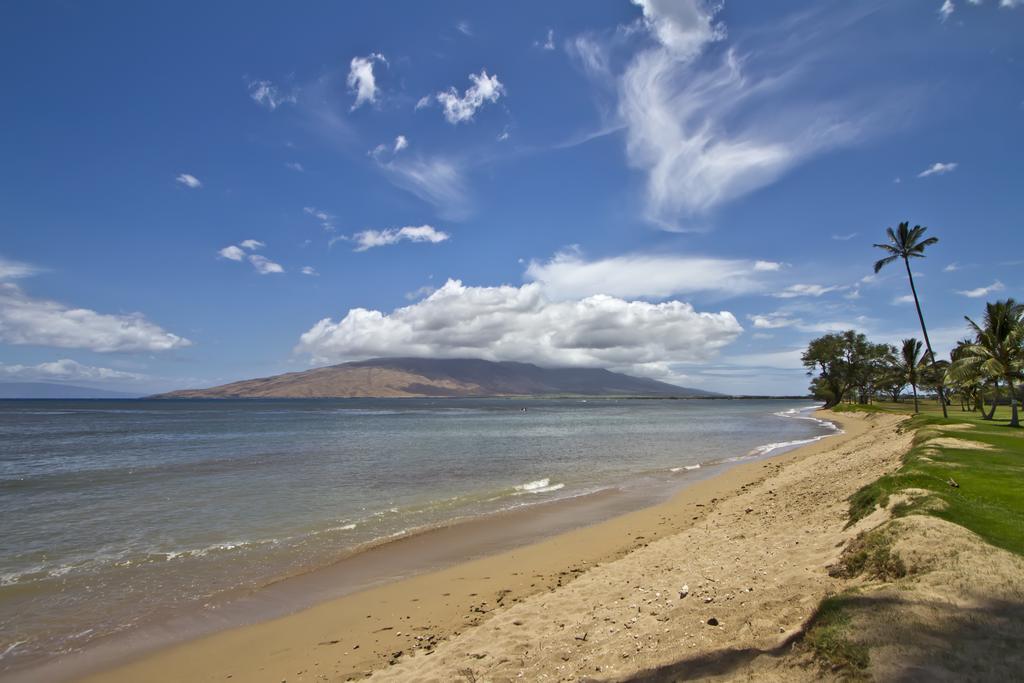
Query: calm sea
(118, 513)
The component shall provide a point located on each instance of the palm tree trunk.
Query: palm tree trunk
(924, 331)
(914, 386)
(1013, 405)
(995, 402)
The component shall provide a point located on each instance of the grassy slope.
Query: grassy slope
(989, 502)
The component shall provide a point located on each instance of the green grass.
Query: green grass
(828, 636)
(990, 498)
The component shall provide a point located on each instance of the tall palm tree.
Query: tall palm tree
(907, 243)
(911, 363)
(999, 348)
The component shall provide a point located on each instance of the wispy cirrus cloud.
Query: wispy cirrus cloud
(66, 369)
(270, 96)
(708, 121)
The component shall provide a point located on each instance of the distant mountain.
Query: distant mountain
(50, 390)
(411, 377)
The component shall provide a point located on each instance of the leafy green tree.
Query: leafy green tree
(907, 243)
(838, 363)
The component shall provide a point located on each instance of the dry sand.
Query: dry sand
(752, 546)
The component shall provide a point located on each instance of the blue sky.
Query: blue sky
(201, 192)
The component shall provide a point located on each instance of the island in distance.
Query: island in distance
(437, 377)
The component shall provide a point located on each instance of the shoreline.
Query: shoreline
(503, 575)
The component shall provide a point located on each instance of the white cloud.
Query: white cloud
(464, 28)
(459, 109)
(435, 180)
(252, 244)
(13, 270)
(952, 267)
(401, 142)
(368, 239)
(420, 292)
(423, 102)
(772, 321)
(905, 299)
(567, 275)
(767, 266)
(946, 10)
(40, 322)
(269, 95)
(264, 266)
(784, 359)
(309, 270)
(979, 292)
(683, 27)
(844, 238)
(549, 41)
(66, 369)
(938, 168)
(806, 290)
(232, 252)
(326, 219)
(361, 80)
(521, 323)
(189, 181)
(294, 166)
(706, 125)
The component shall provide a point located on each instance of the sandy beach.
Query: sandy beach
(751, 546)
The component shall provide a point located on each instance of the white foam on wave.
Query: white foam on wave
(539, 486)
(797, 414)
(685, 468)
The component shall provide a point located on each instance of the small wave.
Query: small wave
(539, 486)
(11, 648)
(685, 468)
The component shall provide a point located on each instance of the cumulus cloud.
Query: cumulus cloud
(767, 266)
(952, 267)
(368, 239)
(979, 292)
(938, 168)
(263, 265)
(946, 10)
(400, 143)
(13, 270)
(361, 80)
(905, 299)
(66, 369)
(268, 95)
(568, 275)
(41, 322)
(523, 324)
(458, 109)
(189, 181)
(232, 253)
(309, 270)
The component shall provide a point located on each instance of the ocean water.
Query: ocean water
(116, 514)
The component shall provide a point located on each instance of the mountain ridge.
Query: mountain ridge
(441, 377)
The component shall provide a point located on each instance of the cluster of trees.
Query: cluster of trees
(847, 366)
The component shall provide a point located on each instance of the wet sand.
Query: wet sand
(382, 627)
